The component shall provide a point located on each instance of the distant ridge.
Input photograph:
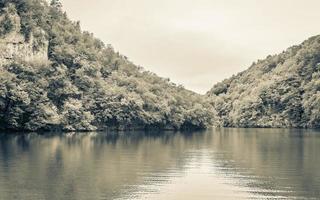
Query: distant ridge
(280, 91)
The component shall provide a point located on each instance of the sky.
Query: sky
(197, 43)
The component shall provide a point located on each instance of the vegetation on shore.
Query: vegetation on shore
(85, 85)
(280, 91)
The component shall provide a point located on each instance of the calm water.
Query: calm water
(215, 164)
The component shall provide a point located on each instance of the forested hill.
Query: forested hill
(53, 76)
(280, 91)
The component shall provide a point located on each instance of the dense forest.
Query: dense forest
(84, 84)
(76, 82)
(280, 91)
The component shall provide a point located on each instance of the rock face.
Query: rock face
(14, 45)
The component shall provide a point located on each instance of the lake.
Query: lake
(212, 164)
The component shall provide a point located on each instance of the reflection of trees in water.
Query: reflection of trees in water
(89, 165)
(82, 164)
(275, 159)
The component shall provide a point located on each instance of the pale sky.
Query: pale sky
(197, 43)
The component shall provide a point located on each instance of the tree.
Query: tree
(86, 85)
(56, 4)
(75, 117)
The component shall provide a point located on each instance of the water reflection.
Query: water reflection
(215, 164)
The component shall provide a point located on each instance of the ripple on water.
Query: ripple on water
(216, 164)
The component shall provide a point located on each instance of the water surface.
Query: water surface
(213, 164)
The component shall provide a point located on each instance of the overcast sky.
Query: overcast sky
(197, 42)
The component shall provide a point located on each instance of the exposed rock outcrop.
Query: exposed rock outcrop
(15, 46)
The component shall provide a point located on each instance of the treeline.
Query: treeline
(281, 91)
(86, 85)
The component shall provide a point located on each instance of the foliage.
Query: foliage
(87, 85)
(280, 91)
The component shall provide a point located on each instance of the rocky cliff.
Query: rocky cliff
(15, 46)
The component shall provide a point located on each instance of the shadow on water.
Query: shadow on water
(258, 163)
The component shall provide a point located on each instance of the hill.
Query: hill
(54, 76)
(280, 91)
